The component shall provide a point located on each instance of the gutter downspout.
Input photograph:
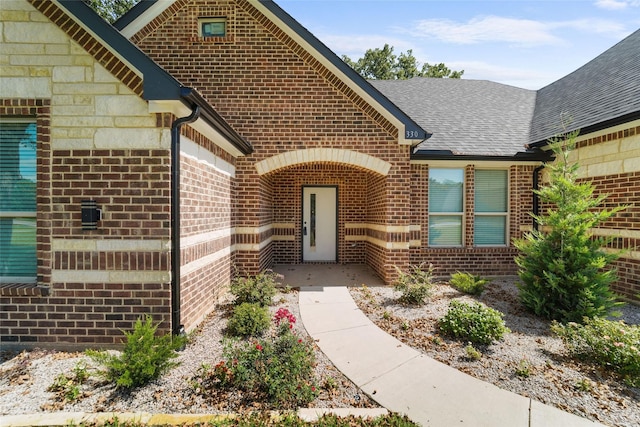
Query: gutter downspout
(175, 218)
(536, 198)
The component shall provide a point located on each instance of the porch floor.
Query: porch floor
(322, 275)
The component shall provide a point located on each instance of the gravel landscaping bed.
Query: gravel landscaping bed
(25, 377)
(528, 361)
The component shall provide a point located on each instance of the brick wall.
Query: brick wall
(97, 140)
(610, 160)
(488, 261)
(282, 99)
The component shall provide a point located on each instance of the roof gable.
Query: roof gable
(602, 93)
(344, 78)
(133, 67)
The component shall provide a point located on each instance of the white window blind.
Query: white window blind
(491, 207)
(446, 195)
(17, 200)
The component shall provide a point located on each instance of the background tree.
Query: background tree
(382, 64)
(564, 268)
(111, 10)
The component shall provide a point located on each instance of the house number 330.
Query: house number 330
(411, 134)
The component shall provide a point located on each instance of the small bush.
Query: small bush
(258, 289)
(524, 368)
(277, 369)
(468, 283)
(473, 322)
(67, 388)
(415, 285)
(472, 353)
(145, 356)
(613, 344)
(248, 320)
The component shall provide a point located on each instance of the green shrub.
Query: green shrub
(258, 289)
(248, 320)
(145, 356)
(613, 344)
(468, 283)
(473, 322)
(472, 353)
(565, 269)
(414, 285)
(277, 369)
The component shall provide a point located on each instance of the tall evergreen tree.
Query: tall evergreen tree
(564, 269)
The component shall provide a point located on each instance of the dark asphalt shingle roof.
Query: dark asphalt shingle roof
(604, 89)
(465, 117)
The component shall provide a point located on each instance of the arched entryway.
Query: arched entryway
(358, 183)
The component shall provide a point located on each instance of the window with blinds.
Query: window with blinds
(446, 207)
(17, 200)
(491, 206)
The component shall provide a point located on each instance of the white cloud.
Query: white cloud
(522, 32)
(617, 4)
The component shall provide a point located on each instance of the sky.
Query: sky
(523, 43)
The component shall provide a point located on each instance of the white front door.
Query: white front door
(319, 224)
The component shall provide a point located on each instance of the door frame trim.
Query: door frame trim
(300, 224)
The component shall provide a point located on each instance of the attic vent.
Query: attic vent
(212, 27)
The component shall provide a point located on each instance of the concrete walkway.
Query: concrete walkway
(404, 380)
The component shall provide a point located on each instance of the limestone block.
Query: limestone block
(121, 138)
(27, 87)
(84, 88)
(16, 5)
(101, 75)
(33, 32)
(40, 71)
(74, 110)
(131, 105)
(605, 168)
(598, 150)
(631, 164)
(130, 122)
(40, 60)
(68, 74)
(630, 144)
(23, 49)
(81, 121)
(14, 15)
(85, 60)
(56, 49)
(10, 71)
(72, 144)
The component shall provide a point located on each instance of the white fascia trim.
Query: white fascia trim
(146, 17)
(178, 109)
(364, 95)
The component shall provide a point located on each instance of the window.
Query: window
(213, 27)
(17, 200)
(446, 192)
(490, 222)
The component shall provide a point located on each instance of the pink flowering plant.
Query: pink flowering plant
(284, 316)
(612, 344)
(277, 369)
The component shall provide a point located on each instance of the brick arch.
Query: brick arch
(315, 155)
